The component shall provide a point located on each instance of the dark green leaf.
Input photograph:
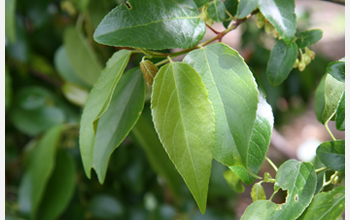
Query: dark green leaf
(245, 7)
(115, 124)
(340, 114)
(8, 89)
(234, 181)
(81, 56)
(326, 205)
(106, 207)
(231, 6)
(37, 175)
(200, 3)
(258, 192)
(280, 13)
(281, 61)
(98, 102)
(319, 103)
(307, 38)
(10, 20)
(141, 24)
(337, 70)
(216, 11)
(147, 137)
(332, 154)
(184, 120)
(232, 90)
(60, 188)
(299, 179)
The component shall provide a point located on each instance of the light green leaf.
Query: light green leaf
(216, 11)
(332, 154)
(234, 181)
(340, 114)
(299, 179)
(245, 7)
(307, 38)
(281, 61)
(60, 188)
(115, 124)
(37, 175)
(81, 56)
(233, 92)
(8, 89)
(10, 20)
(280, 13)
(184, 120)
(258, 192)
(146, 136)
(98, 102)
(326, 205)
(200, 3)
(75, 94)
(152, 24)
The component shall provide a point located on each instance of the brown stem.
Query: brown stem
(212, 29)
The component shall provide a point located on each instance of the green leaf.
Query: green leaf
(234, 181)
(245, 7)
(326, 205)
(184, 120)
(281, 61)
(115, 124)
(337, 70)
(258, 192)
(75, 94)
(98, 102)
(146, 136)
(81, 56)
(340, 114)
(105, 207)
(8, 89)
(60, 188)
(216, 11)
(231, 6)
(319, 102)
(307, 38)
(280, 13)
(232, 90)
(200, 3)
(81, 4)
(10, 18)
(140, 24)
(37, 175)
(332, 154)
(299, 179)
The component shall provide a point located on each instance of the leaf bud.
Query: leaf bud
(275, 33)
(310, 53)
(260, 20)
(306, 59)
(268, 28)
(296, 64)
(301, 66)
(149, 71)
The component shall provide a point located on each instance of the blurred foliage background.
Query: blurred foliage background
(49, 54)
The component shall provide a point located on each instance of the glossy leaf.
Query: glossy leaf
(146, 136)
(81, 56)
(75, 93)
(307, 38)
(245, 7)
(140, 24)
(233, 92)
(98, 102)
(280, 13)
(216, 11)
(326, 205)
(299, 179)
(184, 120)
(337, 70)
(258, 192)
(281, 61)
(10, 18)
(60, 188)
(115, 124)
(340, 114)
(332, 154)
(234, 181)
(37, 175)
(200, 3)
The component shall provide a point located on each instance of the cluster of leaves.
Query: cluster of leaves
(208, 106)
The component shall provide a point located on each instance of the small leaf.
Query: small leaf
(340, 114)
(216, 11)
(258, 192)
(280, 13)
(60, 188)
(140, 24)
(326, 205)
(245, 7)
(149, 71)
(332, 154)
(200, 3)
(97, 103)
(234, 181)
(231, 6)
(184, 120)
(307, 38)
(75, 93)
(81, 56)
(281, 61)
(41, 165)
(10, 18)
(115, 124)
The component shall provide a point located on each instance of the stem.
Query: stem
(273, 194)
(271, 163)
(211, 28)
(326, 125)
(319, 170)
(330, 181)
